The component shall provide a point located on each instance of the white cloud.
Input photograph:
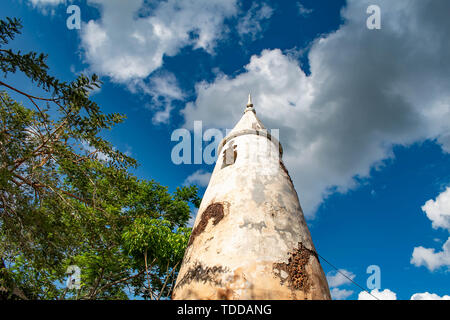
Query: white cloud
(131, 38)
(428, 296)
(438, 211)
(47, 2)
(368, 91)
(251, 23)
(164, 89)
(444, 140)
(386, 294)
(430, 259)
(162, 116)
(166, 86)
(48, 7)
(340, 294)
(199, 177)
(336, 279)
(97, 154)
(303, 11)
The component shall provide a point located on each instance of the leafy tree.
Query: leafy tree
(67, 196)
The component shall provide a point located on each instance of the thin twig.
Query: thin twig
(167, 278)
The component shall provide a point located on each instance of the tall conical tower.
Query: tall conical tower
(250, 239)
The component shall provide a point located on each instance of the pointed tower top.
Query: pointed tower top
(249, 120)
(249, 124)
(249, 104)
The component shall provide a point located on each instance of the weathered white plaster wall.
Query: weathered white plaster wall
(253, 241)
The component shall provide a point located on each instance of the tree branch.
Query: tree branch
(120, 281)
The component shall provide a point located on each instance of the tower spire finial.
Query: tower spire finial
(249, 103)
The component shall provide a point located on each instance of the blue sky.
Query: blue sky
(364, 115)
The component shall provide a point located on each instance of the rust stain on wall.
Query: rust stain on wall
(294, 272)
(213, 211)
(225, 294)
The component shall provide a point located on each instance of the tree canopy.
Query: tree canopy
(68, 197)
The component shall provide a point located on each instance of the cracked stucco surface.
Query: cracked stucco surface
(261, 227)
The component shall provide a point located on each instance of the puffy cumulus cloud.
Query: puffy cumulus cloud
(368, 90)
(336, 279)
(386, 294)
(340, 294)
(199, 177)
(428, 296)
(164, 90)
(431, 259)
(47, 2)
(252, 23)
(444, 140)
(131, 37)
(48, 7)
(438, 210)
